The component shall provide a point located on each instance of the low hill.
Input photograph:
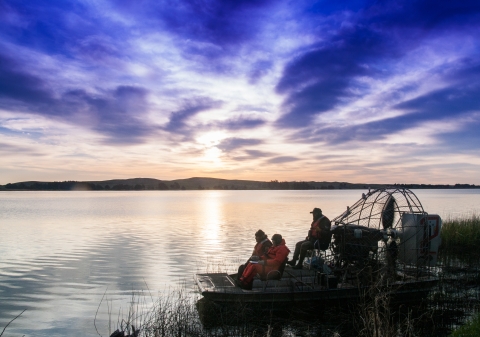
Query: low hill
(201, 183)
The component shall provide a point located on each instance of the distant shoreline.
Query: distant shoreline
(149, 184)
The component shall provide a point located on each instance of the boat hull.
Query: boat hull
(305, 286)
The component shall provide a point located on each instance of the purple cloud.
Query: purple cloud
(190, 108)
(325, 77)
(282, 160)
(258, 154)
(216, 26)
(231, 144)
(466, 140)
(118, 113)
(20, 86)
(50, 26)
(259, 69)
(241, 123)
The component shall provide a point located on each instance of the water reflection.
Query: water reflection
(211, 218)
(60, 251)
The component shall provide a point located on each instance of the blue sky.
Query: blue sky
(358, 91)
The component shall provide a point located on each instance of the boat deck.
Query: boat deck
(298, 286)
(214, 282)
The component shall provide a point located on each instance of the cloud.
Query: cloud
(51, 26)
(259, 69)
(98, 48)
(282, 160)
(20, 86)
(371, 131)
(210, 28)
(7, 149)
(319, 80)
(189, 109)
(445, 102)
(231, 144)
(462, 141)
(243, 108)
(365, 46)
(259, 154)
(458, 98)
(427, 15)
(241, 123)
(119, 114)
(219, 22)
(252, 155)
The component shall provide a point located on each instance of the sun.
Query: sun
(212, 155)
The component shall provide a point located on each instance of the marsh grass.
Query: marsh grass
(461, 236)
(126, 321)
(176, 313)
(470, 329)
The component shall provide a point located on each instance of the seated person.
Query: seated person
(259, 251)
(276, 255)
(319, 230)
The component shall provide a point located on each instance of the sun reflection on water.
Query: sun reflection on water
(212, 215)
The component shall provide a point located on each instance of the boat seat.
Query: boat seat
(314, 259)
(272, 278)
(275, 274)
(271, 284)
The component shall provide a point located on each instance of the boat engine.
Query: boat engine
(420, 235)
(354, 242)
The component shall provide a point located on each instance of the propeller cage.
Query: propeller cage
(381, 209)
(386, 225)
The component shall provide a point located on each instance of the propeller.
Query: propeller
(388, 213)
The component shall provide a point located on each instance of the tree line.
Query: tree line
(175, 186)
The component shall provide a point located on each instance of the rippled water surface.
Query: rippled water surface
(62, 252)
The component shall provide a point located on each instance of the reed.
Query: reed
(470, 329)
(461, 235)
(176, 312)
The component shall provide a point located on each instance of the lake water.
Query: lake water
(62, 252)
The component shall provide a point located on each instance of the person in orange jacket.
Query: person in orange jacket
(319, 231)
(259, 251)
(276, 255)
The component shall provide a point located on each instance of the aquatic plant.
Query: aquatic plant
(5, 328)
(470, 329)
(176, 313)
(461, 235)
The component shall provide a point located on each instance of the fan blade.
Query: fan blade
(388, 213)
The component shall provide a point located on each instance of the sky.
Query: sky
(355, 91)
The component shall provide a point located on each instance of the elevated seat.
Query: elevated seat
(314, 259)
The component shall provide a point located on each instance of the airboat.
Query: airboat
(384, 242)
